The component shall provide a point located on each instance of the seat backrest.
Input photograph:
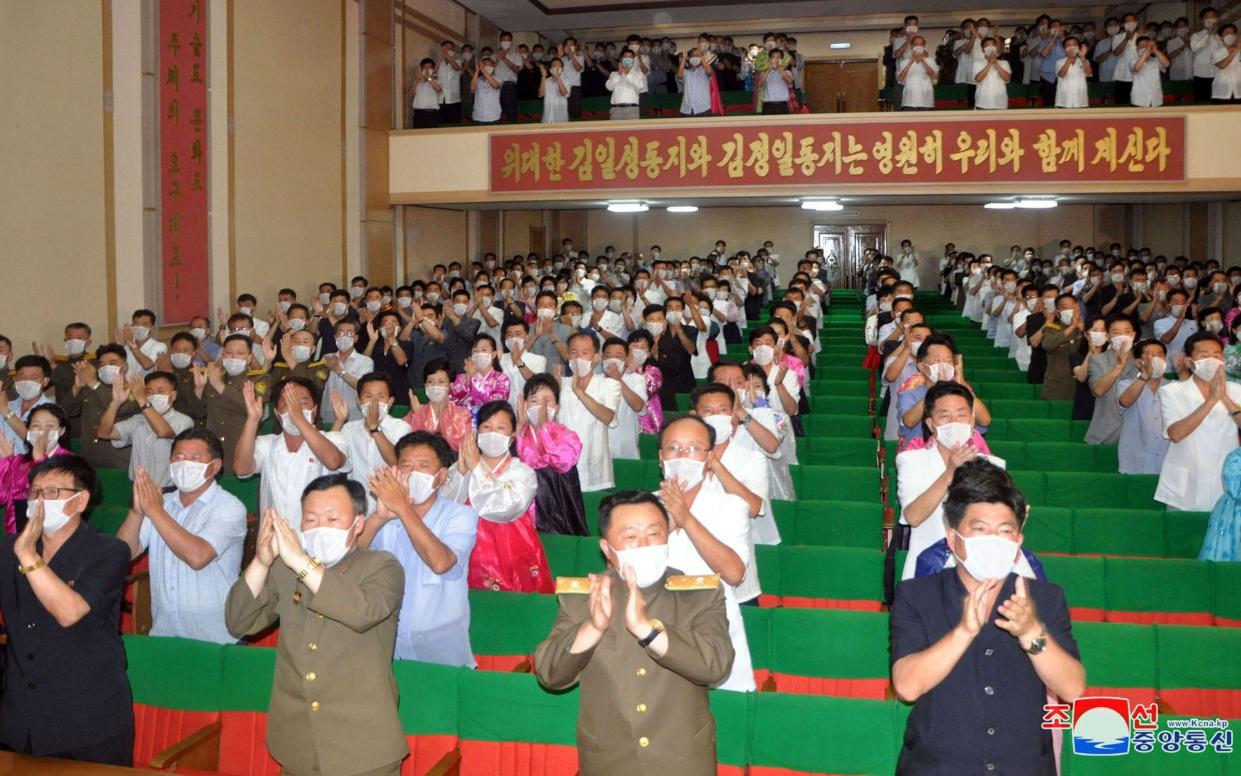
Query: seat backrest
(1119, 657)
(788, 733)
(504, 719)
(177, 689)
(1168, 590)
(841, 574)
(831, 643)
(244, 700)
(1199, 673)
(429, 711)
(1119, 532)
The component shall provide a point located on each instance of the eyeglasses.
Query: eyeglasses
(51, 493)
(693, 451)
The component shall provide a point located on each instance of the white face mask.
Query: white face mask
(656, 328)
(404, 301)
(325, 297)
(494, 445)
(764, 354)
(989, 556)
(1122, 342)
(181, 360)
(1032, 303)
(1205, 369)
(1066, 317)
(286, 422)
(952, 435)
(723, 425)
(638, 355)
(481, 360)
(355, 292)
(326, 544)
(582, 366)
(673, 317)
(234, 366)
(460, 309)
(1158, 366)
(261, 328)
(33, 437)
(686, 471)
(941, 372)
(284, 306)
(75, 347)
(545, 313)
(140, 332)
(4, 360)
(108, 373)
(54, 517)
(533, 414)
(188, 476)
(436, 393)
(613, 363)
(1098, 338)
(344, 343)
(300, 354)
(339, 309)
(28, 389)
(297, 324)
(160, 402)
(421, 487)
(599, 304)
(648, 563)
(1191, 283)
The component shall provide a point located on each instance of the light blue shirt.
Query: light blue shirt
(185, 602)
(1142, 445)
(697, 98)
(1048, 71)
(775, 88)
(15, 407)
(487, 100)
(434, 624)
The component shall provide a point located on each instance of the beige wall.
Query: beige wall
(433, 236)
(1165, 229)
(792, 229)
(516, 231)
(288, 140)
(52, 257)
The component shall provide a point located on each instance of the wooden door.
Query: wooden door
(844, 246)
(834, 242)
(538, 240)
(842, 86)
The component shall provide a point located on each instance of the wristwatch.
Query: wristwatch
(1038, 643)
(657, 628)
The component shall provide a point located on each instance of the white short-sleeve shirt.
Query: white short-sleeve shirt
(286, 474)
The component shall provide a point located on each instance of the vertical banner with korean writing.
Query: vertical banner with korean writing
(183, 158)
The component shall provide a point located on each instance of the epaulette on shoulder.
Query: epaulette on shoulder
(257, 373)
(678, 582)
(572, 586)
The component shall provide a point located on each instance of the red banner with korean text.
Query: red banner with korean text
(988, 149)
(183, 158)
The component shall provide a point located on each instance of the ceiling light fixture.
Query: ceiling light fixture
(683, 209)
(822, 205)
(627, 207)
(1036, 204)
(1000, 205)
(839, 46)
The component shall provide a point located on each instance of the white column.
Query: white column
(135, 287)
(220, 140)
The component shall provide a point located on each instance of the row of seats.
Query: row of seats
(203, 706)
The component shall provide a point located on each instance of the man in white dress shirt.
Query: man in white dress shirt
(710, 528)
(1204, 45)
(518, 362)
(141, 348)
(370, 441)
(588, 407)
(348, 366)
(194, 537)
(448, 71)
(1201, 413)
(295, 455)
(627, 85)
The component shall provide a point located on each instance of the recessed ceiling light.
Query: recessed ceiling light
(1000, 205)
(822, 205)
(683, 209)
(1036, 204)
(839, 46)
(627, 207)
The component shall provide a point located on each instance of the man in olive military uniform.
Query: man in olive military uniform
(219, 386)
(178, 361)
(64, 368)
(298, 348)
(334, 699)
(645, 643)
(89, 399)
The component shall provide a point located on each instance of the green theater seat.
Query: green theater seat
(830, 523)
(1199, 673)
(830, 652)
(839, 451)
(1048, 529)
(821, 577)
(789, 735)
(821, 424)
(507, 722)
(836, 483)
(1166, 590)
(1119, 532)
(1119, 659)
(1083, 582)
(115, 488)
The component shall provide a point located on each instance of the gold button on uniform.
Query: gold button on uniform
(644, 742)
(312, 646)
(641, 672)
(314, 705)
(310, 676)
(641, 707)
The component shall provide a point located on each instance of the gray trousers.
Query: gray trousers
(619, 114)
